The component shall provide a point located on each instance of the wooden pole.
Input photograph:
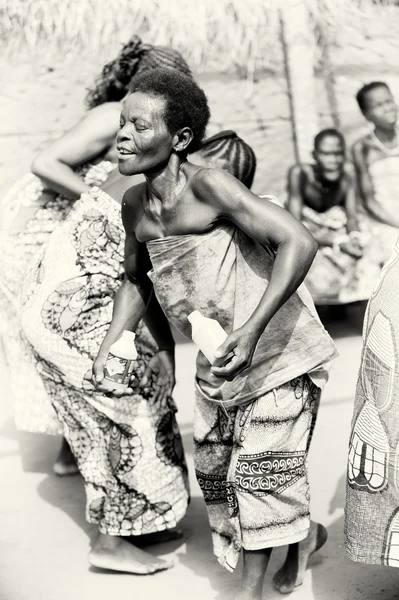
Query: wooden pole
(299, 50)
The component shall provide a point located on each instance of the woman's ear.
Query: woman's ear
(182, 139)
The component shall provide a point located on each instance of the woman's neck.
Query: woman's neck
(167, 182)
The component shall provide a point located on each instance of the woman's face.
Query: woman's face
(144, 143)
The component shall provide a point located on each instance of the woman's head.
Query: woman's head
(377, 104)
(133, 59)
(165, 112)
(227, 151)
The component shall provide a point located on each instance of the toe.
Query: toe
(284, 588)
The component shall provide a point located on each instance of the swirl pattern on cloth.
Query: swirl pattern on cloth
(129, 449)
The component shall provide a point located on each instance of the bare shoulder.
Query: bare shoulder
(132, 203)
(209, 183)
(299, 170)
(296, 170)
(134, 195)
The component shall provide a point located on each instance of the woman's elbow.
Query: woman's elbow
(308, 247)
(40, 165)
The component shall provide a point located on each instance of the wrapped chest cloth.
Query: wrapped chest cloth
(223, 274)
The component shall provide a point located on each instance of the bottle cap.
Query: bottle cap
(129, 336)
(194, 315)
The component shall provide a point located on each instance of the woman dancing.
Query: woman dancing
(84, 157)
(208, 244)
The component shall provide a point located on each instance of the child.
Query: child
(323, 196)
(376, 158)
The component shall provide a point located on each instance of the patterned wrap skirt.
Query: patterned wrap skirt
(129, 450)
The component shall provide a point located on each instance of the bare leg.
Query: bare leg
(65, 464)
(116, 554)
(253, 573)
(292, 572)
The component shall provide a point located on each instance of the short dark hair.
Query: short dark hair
(330, 132)
(185, 102)
(239, 155)
(361, 96)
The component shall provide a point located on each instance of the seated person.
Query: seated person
(376, 158)
(323, 196)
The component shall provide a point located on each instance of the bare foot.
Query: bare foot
(65, 464)
(158, 537)
(292, 572)
(116, 554)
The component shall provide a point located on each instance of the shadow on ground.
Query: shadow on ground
(343, 321)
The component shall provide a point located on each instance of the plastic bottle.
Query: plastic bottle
(120, 362)
(207, 334)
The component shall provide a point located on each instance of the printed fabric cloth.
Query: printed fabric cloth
(128, 450)
(372, 500)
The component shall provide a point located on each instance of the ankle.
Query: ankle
(250, 590)
(249, 594)
(107, 542)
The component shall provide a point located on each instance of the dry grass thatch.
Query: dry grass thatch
(213, 35)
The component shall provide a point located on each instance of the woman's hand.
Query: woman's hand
(98, 377)
(236, 353)
(162, 369)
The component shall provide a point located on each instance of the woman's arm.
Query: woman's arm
(269, 225)
(86, 141)
(366, 188)
(134, 301)
(132, 297)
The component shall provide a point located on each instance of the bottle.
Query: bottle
(120, 362)
(207, 334)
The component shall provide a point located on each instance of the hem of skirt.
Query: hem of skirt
(126, 533)
(223, 563)
(370, 559)
(130, 533)
(283, 541)
(232, 553)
